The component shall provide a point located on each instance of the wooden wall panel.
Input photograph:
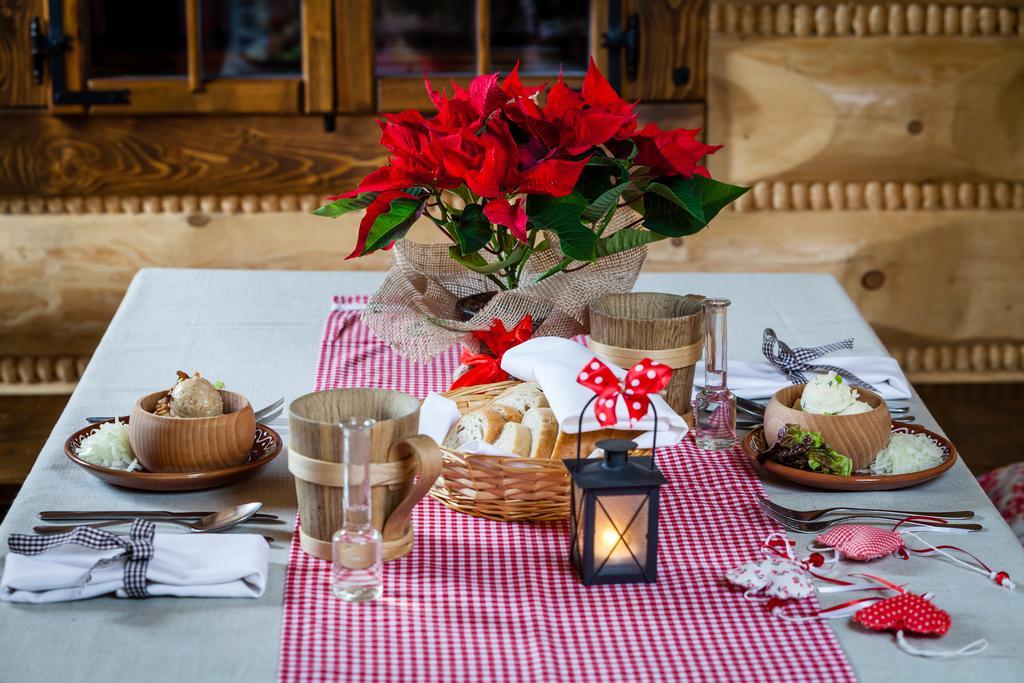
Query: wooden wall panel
(47, 156)
(17, 89)
(673, 56)
(62, 276)
(80, 156)
(920, 278)
(859, 109)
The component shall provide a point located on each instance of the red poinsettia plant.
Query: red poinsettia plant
(506, 171)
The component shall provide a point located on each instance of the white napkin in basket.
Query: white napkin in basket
(554, 363)
(183, 565)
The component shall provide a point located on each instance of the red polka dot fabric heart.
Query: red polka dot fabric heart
(861, 542)
(905, 612)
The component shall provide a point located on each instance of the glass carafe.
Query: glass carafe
(356, 572)
(714, 414)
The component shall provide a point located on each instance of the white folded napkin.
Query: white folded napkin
(761, 379)
(554, 363)
(182, 565)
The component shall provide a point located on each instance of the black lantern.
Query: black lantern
(614, 515)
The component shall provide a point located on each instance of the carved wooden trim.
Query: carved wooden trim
(967, 362)
(40, 374)
(806, 20)
(877, 195)
(172, 203)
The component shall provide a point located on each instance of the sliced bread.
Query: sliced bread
(543, 431)
(508, 412)
(480, 425)
(522, 397)
(565, 444)
(515, 439)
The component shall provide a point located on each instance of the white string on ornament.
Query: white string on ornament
(974, 648)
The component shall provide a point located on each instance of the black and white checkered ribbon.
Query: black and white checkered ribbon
(137, 545)
(794, 362)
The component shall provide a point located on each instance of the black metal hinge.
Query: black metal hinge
(616, 40)
(50, 49)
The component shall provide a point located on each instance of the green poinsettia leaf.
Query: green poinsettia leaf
(477, 263)
(340, 207)
(393, 224)
(561, 216)
(624, 240)
(618, 167)
(605, 203)
(472, 229)
(594, 181)
(668, 218)
(683, 193)
(716, 195)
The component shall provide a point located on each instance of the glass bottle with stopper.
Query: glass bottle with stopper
(357, 567)
(715, 406)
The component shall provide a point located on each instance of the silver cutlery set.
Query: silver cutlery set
(812, 521)
(195, 522)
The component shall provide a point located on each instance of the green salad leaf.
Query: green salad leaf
(805, 450)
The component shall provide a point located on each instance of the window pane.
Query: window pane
(542, 36)
(251, 38)
(136, 38)
(413, 36)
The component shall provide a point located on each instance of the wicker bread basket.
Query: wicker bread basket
(505, 488)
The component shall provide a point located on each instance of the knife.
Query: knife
(85, 515)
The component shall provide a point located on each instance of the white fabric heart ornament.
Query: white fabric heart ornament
(781, 579)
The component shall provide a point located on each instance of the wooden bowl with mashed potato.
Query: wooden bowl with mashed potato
(860, 436)
(163, 443)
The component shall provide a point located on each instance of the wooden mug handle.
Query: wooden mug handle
(429, 455)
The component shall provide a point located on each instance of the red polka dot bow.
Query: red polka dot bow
(643, 379)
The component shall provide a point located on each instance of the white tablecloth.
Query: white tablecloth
(259, 332)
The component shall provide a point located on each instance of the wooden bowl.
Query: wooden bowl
(858, 436)
(197, 444)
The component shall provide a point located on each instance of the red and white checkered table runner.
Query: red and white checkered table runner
(480, 601)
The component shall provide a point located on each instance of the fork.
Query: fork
(814, 527)
(811, 515)
(264, 415)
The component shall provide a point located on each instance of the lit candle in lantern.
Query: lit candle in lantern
(608, 545)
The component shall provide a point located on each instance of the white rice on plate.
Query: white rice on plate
(906, 453)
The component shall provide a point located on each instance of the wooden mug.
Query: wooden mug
(398, 454)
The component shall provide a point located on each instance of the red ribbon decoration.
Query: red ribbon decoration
(643, 379)
(485, 368)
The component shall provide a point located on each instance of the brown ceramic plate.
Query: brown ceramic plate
(754, 443)
(264, 449)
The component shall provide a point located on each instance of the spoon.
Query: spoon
(211, 523)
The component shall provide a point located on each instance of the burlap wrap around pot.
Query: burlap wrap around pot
(415, 311)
